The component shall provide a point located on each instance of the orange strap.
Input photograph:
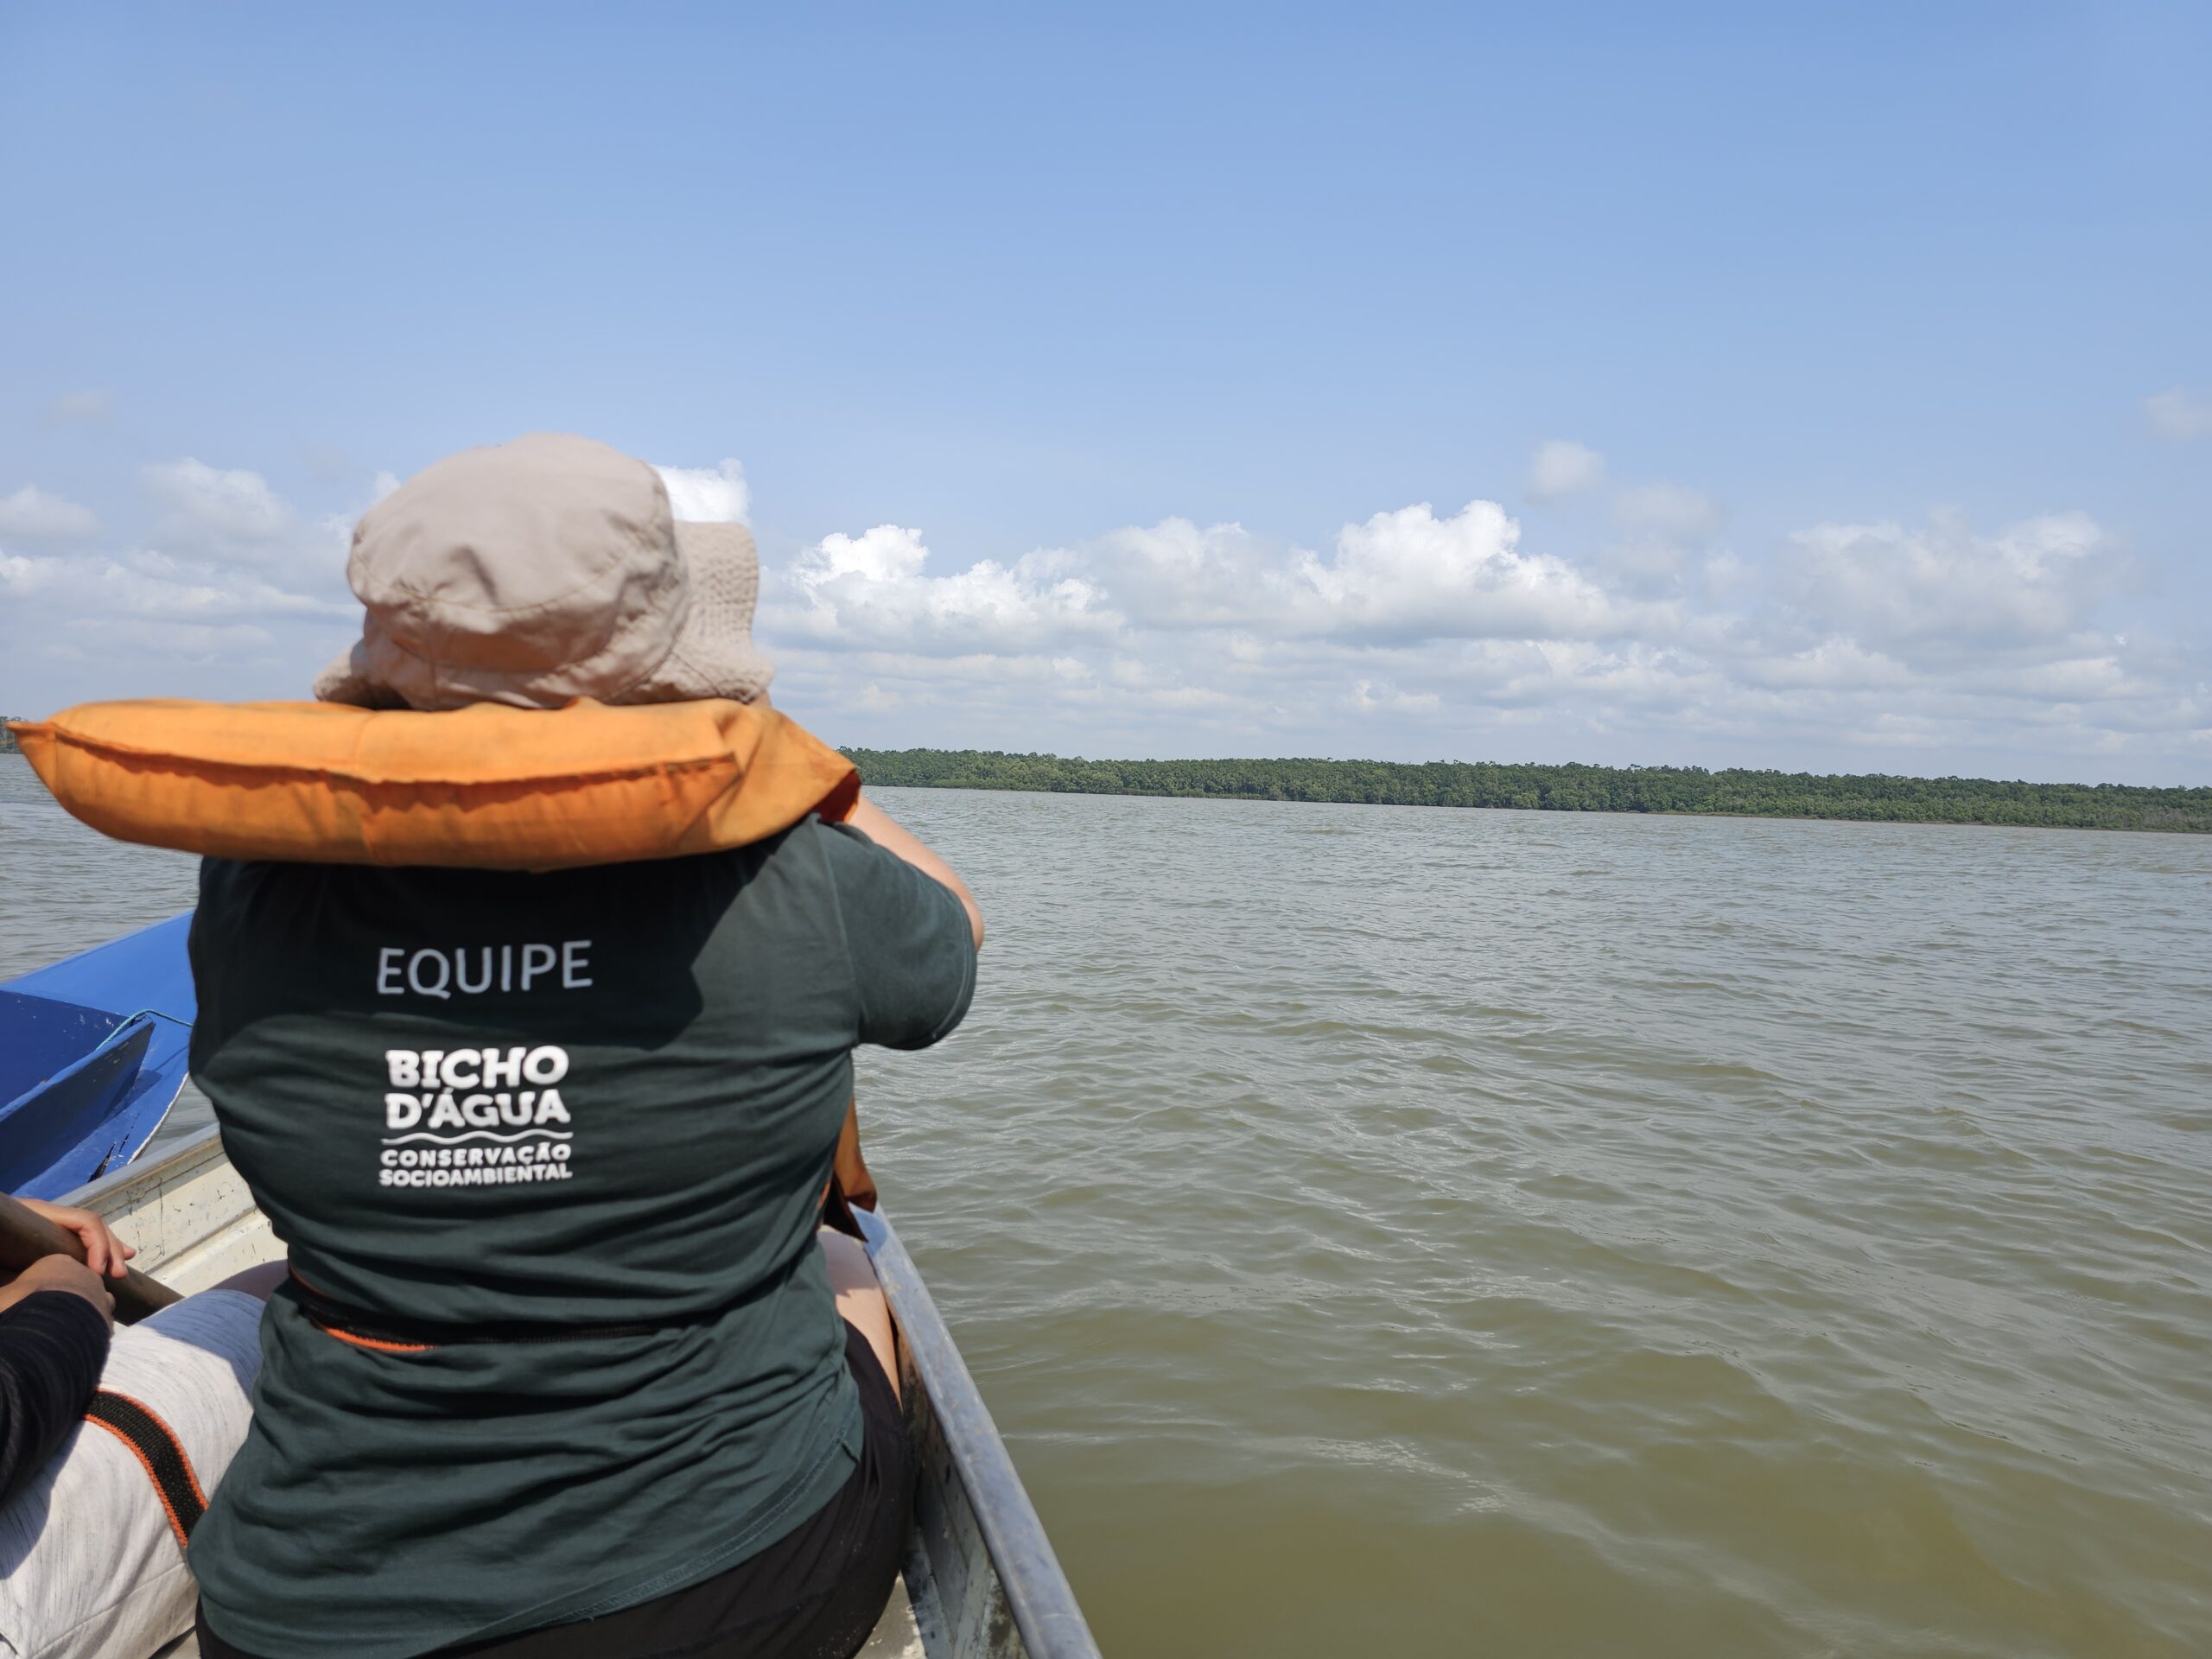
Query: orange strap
(159, 1452)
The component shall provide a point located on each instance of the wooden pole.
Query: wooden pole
(26, 1236)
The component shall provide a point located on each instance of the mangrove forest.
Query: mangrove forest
(1560, 788)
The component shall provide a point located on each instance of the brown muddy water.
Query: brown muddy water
(1389, 1230)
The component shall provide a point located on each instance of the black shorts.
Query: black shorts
(815, 1593)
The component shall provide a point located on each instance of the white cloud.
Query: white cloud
(159, 587)
(2034, 583)
(872, 590)
(1408, 634)
(1669, 511)
(2177, 416)
(1403, 576)
(1835, 663)
(1645, 564)
(709, 495)
(1368, 698)
(885, 555)
(1409, 574)
(244, 596)
(1851, 642)
(1726, 577)
(31, 515)
(1175, 574)
(1563, 467)
(204, 505)
(230, 521)
(23, 578)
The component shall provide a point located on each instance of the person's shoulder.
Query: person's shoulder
(843, 866)
(818, 840)
(849, 858)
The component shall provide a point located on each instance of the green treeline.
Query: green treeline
(1559, 789)
(1550, 789)
(8, 738)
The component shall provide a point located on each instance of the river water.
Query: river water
(1386, 1230)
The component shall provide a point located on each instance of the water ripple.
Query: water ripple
(1378, 1229)
(1480, 1232)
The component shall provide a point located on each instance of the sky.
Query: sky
(1816, 386)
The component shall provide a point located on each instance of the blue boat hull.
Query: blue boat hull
(93, 1055)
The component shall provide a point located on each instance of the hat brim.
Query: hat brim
(714, 654)
(350, 680)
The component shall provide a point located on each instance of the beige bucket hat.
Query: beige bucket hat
(534, 572)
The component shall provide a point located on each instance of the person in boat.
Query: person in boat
(112, 1440)
(560, 1368)
(55, 1316)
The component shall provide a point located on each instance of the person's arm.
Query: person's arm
(909, 940)
(849, 1168)
(887, 832)
(55, 1321)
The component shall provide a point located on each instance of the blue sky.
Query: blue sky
(1810, 386)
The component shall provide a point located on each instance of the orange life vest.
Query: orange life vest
(485, 787)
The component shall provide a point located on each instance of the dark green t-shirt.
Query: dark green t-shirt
(595, 1096)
